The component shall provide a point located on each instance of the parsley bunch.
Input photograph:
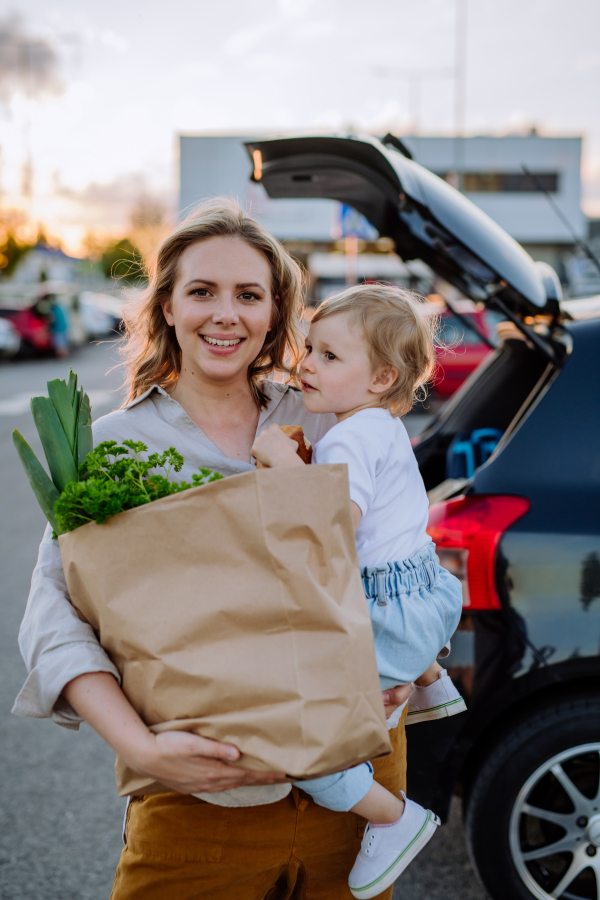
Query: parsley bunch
(111, 480)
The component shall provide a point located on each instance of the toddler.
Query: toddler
(368, 350)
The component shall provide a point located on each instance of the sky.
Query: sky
(93, 95)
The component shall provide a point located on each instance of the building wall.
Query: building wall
(527, 216)
(214, 166)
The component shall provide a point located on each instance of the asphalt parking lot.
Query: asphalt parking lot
(60, 817)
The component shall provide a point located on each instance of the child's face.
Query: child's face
(337, 374)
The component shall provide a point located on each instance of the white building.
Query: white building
(44, 263)
(489, 171)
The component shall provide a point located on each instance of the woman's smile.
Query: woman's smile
(221, 344)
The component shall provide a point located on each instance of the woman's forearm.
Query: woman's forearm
(98, 699)
(184, 762)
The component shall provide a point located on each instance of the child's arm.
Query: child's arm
(273, 449)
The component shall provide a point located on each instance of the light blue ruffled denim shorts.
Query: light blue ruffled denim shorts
(415, 608)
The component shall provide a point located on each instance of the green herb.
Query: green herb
(64, 424)
(87, 484)
(114, 478)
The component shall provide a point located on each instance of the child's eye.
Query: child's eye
(308, 349)
(329, 355)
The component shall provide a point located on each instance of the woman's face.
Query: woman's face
(221, 307)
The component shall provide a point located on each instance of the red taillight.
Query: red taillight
(466, 532)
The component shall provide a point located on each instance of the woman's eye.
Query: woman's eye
(330, 356)
(200, 292)
(247, 296)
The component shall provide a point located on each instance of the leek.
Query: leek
(64, 423)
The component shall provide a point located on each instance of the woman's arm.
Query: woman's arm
(55, 643)
(181, 761)
(71, 678)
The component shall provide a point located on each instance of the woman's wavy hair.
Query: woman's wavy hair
(150, 349)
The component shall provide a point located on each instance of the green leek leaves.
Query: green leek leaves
(64, 423)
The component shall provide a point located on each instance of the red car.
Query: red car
(33, 327)
(462, 350)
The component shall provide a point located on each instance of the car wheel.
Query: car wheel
(533, 812)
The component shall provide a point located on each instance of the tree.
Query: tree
(123, 261)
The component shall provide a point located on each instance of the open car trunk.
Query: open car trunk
(495, 399)
(429, 220)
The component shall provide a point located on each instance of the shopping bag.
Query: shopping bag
(236, 610)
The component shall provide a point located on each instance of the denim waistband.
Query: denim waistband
(397, 578)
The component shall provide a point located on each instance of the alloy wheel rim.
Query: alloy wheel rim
(569, 851)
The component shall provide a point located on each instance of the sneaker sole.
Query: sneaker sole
(406, 857)
(437, 712)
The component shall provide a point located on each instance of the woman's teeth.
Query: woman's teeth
(210, 340)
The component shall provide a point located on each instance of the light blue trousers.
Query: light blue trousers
(415, 608)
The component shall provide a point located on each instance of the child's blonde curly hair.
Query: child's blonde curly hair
(397, 333)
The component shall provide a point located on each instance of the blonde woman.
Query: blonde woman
(218, 318)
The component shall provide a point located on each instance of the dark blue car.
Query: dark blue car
(512, 464)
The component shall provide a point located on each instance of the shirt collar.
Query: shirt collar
(274, 390)
(146, 394)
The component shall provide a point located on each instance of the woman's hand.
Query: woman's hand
(395, 697)
(274, 449)
(190, 764)
(181, 761)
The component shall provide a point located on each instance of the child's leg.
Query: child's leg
(429, 676)
(342, 791)
(354, 790)
(379, 806)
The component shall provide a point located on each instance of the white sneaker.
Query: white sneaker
(435, 701)
(386, 851)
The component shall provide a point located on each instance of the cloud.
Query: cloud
(294, 9)
(28, 64)
(247, 38)
(588, 62)
(114, 41)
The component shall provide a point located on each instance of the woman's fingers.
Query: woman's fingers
(213, 749)
(192, 764)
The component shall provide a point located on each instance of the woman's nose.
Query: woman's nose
(226, 312)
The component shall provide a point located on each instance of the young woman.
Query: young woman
(217, 319)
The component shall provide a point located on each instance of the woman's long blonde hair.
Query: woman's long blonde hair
(150, 350)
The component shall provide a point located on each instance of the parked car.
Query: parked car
(10, 339)
(33, 327)
(520, 526)
(107, 310)
(97, 321)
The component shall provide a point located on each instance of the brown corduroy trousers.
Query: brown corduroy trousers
(181, 848)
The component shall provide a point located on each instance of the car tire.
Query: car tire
(526, 807)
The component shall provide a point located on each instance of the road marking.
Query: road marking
(19, 404)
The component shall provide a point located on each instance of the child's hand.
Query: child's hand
(273, 449)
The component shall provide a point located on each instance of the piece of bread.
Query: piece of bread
(295, 433)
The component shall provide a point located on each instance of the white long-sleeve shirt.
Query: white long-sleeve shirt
(55, 644)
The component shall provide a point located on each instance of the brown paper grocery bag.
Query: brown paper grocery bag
(236, 610)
